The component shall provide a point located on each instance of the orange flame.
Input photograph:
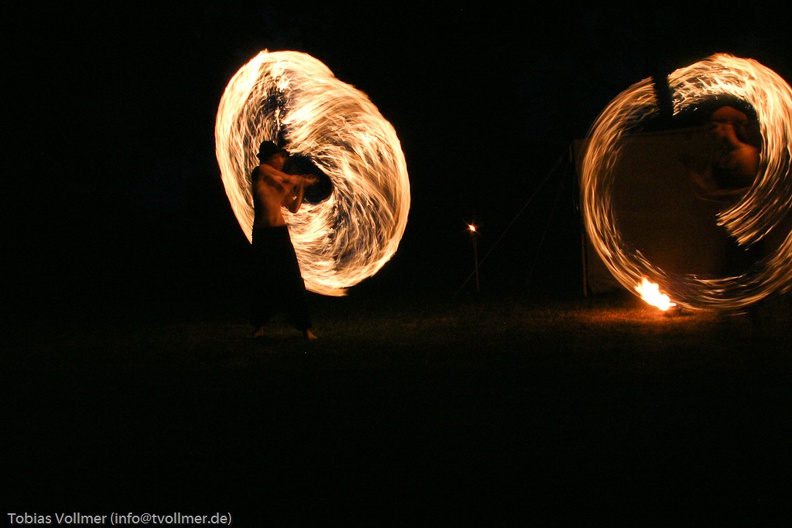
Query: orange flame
(650, 292)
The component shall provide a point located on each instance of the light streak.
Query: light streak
(758, 212)
(292, 96)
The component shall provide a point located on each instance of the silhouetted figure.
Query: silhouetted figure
(277, 285)
(731, 170)
(735, 161)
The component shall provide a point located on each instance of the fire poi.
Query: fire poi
(293, 98)
(758, 212)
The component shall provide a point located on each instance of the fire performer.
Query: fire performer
(277, 284)
(735, 162)
(731, 171)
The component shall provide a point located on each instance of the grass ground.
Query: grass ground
(472, 412)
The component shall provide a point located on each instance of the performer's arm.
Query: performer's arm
(295, 198)
(287, 180)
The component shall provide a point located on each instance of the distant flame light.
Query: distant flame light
(758, 212)
(650, 292)
(289, 95)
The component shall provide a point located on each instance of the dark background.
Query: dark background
(111, 188)
(128, 372)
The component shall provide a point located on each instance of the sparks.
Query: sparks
(760, 210)
(293, 97)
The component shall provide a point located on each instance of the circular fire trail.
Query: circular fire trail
(755, 215)
(294, 99)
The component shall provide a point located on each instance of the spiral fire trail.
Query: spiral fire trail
(758, 212)
(293, 97)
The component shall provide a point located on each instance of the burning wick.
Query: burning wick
(650, 292)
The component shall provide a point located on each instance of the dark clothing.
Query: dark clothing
(276, 283)
(740, 259)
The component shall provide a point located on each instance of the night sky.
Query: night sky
(111, 184)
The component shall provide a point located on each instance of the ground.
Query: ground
(455, 412)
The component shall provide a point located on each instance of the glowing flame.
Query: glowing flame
(759, 211)
(292, 96)
(650, 292)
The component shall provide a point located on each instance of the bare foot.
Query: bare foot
(259, 332)
(309, 335)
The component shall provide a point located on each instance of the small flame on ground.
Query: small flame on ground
(650, 292)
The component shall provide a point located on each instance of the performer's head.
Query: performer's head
(268, 149)
(728, 116)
